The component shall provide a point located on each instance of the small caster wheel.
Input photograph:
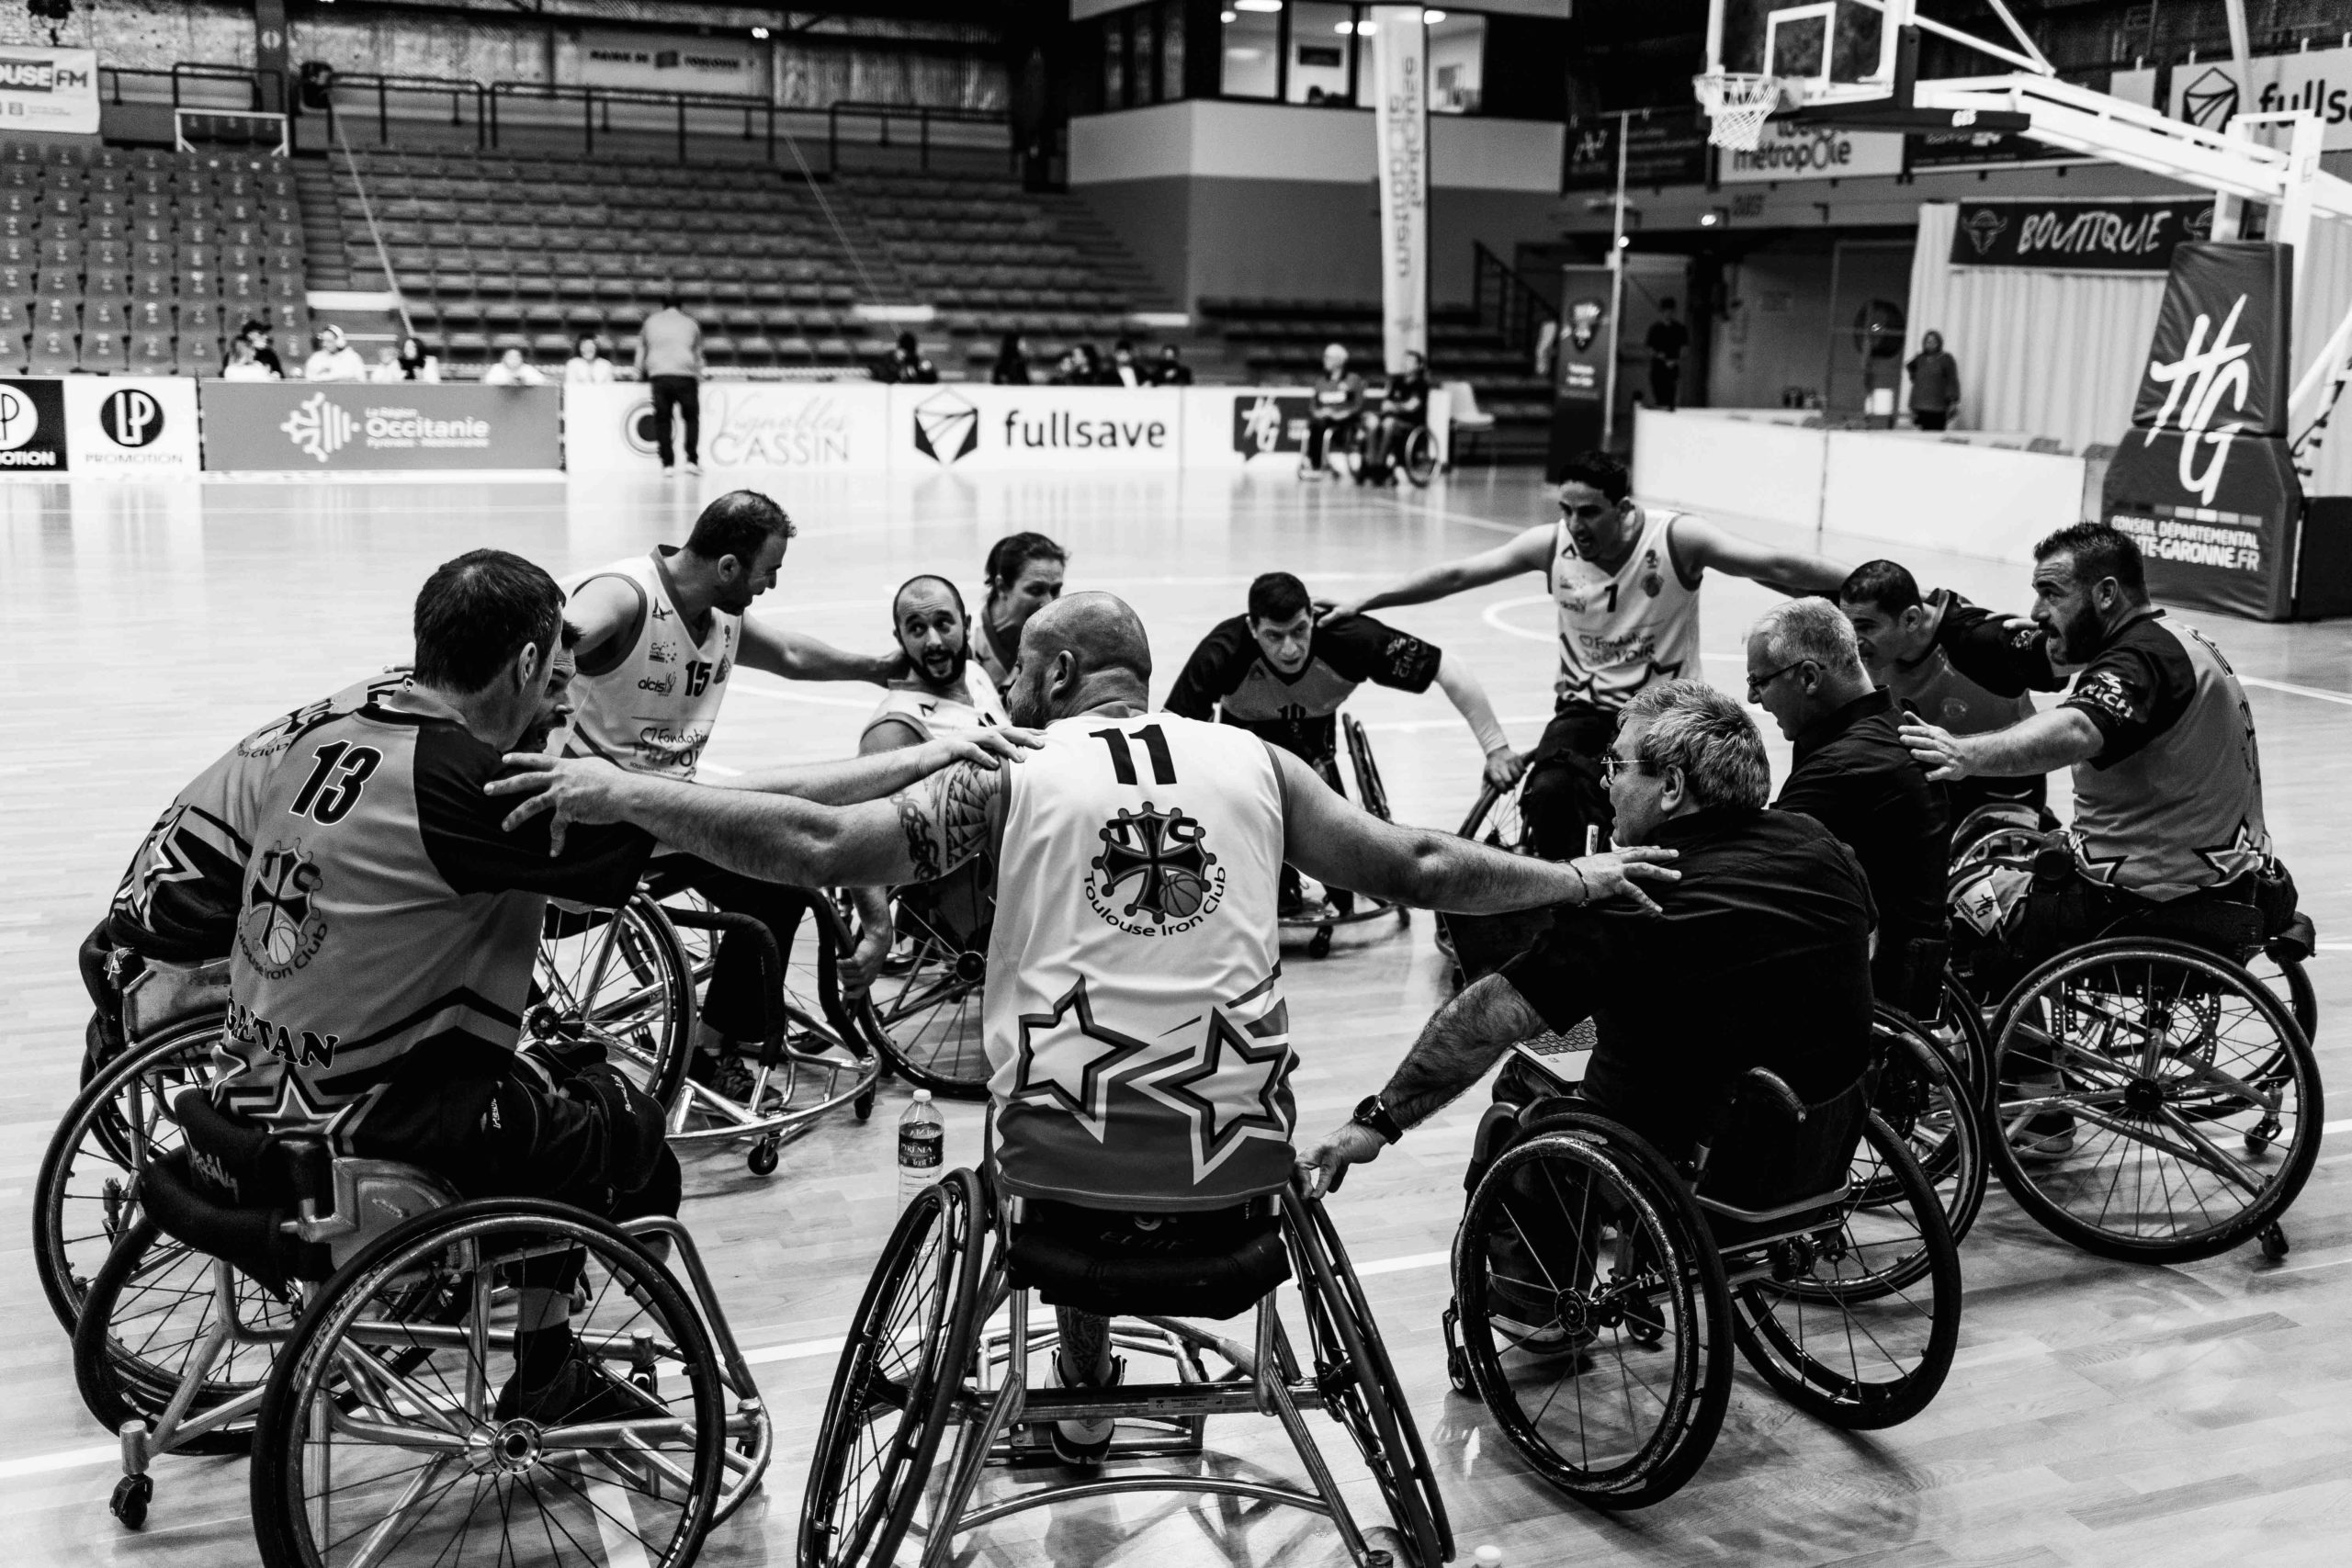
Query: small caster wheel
(862, 1106)
(1404, 916)
(1457, 1372)
(2274, 1241)
(131, 1495)
(763, 1157)
(2262, 1135)
(1319, 946)
(646, 1382)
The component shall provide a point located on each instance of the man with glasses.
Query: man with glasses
(1625, 579)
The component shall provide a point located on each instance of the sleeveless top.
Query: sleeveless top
(929, 715)
(2183, 812)
(1620, 632)
(1134, 1013)
(652, 713)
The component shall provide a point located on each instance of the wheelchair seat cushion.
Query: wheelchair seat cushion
(252, 1240)
(1217, 1263)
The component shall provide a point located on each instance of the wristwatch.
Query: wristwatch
(1372, 1114)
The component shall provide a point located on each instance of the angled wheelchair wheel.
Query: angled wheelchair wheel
(2291, 983)
(1593, 1312)
(926, 1001)
(2154, 1103)
(1363, 1391)
(1493, 820)
(899, 1370)
(1922, 1097)
(86, 1196)
(393, 1435)
(1419, 458)
(1856, 1321)
(620, 978)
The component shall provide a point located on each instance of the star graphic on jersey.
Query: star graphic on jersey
(2101, 869)
(1070, 1061)
(290, 1105)
(164, 861)
(2242, 853)
(1585, 689)
(1245, 1099)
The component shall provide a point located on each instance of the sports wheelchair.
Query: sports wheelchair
(1599, 1288)
(929, 1357)
(1351, 909)
(353, 1326)
(1475, 944)
(925, 1004)
(1416, 456)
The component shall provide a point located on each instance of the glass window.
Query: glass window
(1114, 61)
(1171, 51)
(1457, 60)
(1147, 57)
(1251, 36)
(1321, 46)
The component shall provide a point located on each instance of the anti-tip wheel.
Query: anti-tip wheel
(131, 1495)
(2274, 1241)
(862, 1106)
(763, 1157)
(1319, 945)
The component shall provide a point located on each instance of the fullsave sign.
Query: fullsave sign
(48, 89)
(2208, 93)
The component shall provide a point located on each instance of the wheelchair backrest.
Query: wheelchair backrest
(1772, 1150)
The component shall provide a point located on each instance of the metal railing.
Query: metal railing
(608, 111)
(462, 94)
(887, 114)
(1505, 303)
(183, 87)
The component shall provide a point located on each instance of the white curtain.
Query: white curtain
(2046, 354)
(2319, 305)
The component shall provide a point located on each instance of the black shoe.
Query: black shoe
(582, 1393)
(726, 1075)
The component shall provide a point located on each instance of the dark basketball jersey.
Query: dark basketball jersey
(1229, 673)
(177, 900)
(384, 906)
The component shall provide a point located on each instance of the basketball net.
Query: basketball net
(1737, 104)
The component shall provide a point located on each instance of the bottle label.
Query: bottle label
(921, 1147)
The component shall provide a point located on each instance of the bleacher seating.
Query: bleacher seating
(115, 259)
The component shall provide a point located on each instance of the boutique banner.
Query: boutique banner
(266, 426)
(48, 89)
(2078, 236)
(833, 426)
(2205, 481)
(1400, 65)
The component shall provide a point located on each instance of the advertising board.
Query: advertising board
(264, 426)
(828, 427)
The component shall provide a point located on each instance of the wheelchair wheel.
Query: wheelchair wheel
(899, 1373)
(362, 1452)
(1611, 1370)
(1856, 1323)
(145, 1314)
(1922, 1097)
(1495, 820)
(926, 1001)
(85, 1197)
(818, 1019)
(621, 978)
(2186, 1116)
(1959, 1029)
(2289, 981)
(1364, 1394)
(1419, 460)
(1370, 792)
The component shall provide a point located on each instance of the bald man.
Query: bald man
(1135, 1025)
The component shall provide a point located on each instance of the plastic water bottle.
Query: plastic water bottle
(922, 1141)
(1490, 1557)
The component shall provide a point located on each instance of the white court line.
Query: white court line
(615, 1522)
(2311, 691)
(764, 694)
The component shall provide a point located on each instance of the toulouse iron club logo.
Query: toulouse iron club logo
(1156, 862)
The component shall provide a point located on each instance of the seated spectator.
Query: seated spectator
(1124, 371)
(1069, 370)
(512, 371)
(1338, 405)
(1012, 367)
(333, 359)
(1092, 371)
(1404, 407)
(244, 365)
(1171, 371)
(587, 366)
(257, 334)
(905, 363)
(416, 363)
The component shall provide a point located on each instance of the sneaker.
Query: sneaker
(695, 469)
(2046, 1136)
(1082, 1443)
(728, 1075)
(581, 1392)
(1553, 1339)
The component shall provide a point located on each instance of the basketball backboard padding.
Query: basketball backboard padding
(1886, 114)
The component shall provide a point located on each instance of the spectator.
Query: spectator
(906, 363)
(669, 359)
(1669, 339)
(1069, 370)
(587, 365)
(387, 367)
(416, 363)
(1404, 407)
(1124, 371)
(1336, 407)
(512, 371)
(1012, 367)
(244, 365)
(333, 359)
(1092, 371)
(1935, 383)
(257, 334)
(1171, 371)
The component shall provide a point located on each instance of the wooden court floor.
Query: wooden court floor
(2099, 1413)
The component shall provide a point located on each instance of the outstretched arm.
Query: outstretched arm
(1698, 544)
(1528, 552)
(1459, 685)
(1339, 843)
(797, 657)
(871, 777)
(2055, 738)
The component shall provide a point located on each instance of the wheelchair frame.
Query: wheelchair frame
(1371, 793)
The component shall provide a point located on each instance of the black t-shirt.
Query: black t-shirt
(1761, 958)
(2137, 687)
(1407, 397)
(1229, 674)
(1995, 650)
(1668, 339)
(1852, 775)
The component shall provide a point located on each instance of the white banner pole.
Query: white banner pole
(1402, 127)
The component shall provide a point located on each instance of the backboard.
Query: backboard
(1854, 63)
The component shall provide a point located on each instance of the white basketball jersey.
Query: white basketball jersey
(929, 715)
(1619, 632)
(1135, 1016)
(653, 712)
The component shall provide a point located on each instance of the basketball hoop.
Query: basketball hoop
(1737, 104)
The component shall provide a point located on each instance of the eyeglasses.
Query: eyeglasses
(1612, 765)
(1755, 684)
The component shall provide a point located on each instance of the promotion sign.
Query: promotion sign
(32, 427)
(968, 428)
(1791, 151)
(833, 426)
(2208, 93)
(131, 424)
(1663, 147)
(1400, 63)
(266, 426)
(2078, 236)
(48, 89)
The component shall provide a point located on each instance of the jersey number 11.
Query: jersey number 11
(1122, 758)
